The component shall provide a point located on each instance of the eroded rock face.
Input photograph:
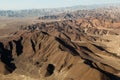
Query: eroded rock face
(58, 51)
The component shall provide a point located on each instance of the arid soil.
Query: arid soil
(59, 49)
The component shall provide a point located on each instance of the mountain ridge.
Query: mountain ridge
(47, 11)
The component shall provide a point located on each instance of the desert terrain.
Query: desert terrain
(78, 45)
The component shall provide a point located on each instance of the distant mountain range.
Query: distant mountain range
(47, 11)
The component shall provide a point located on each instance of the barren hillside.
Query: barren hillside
(82, 48)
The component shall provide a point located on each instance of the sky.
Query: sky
(37, 4)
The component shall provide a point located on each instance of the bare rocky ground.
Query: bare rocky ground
(78, 49)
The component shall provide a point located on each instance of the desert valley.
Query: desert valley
(73, 43)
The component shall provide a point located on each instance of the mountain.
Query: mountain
(60, 50)
(77, 45)
(110, 13)
(47, 11)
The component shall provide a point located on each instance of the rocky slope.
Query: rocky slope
(59, 50)
(104, 16)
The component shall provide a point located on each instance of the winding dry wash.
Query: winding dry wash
(68, 44)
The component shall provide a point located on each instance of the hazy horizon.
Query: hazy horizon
(38, 4)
